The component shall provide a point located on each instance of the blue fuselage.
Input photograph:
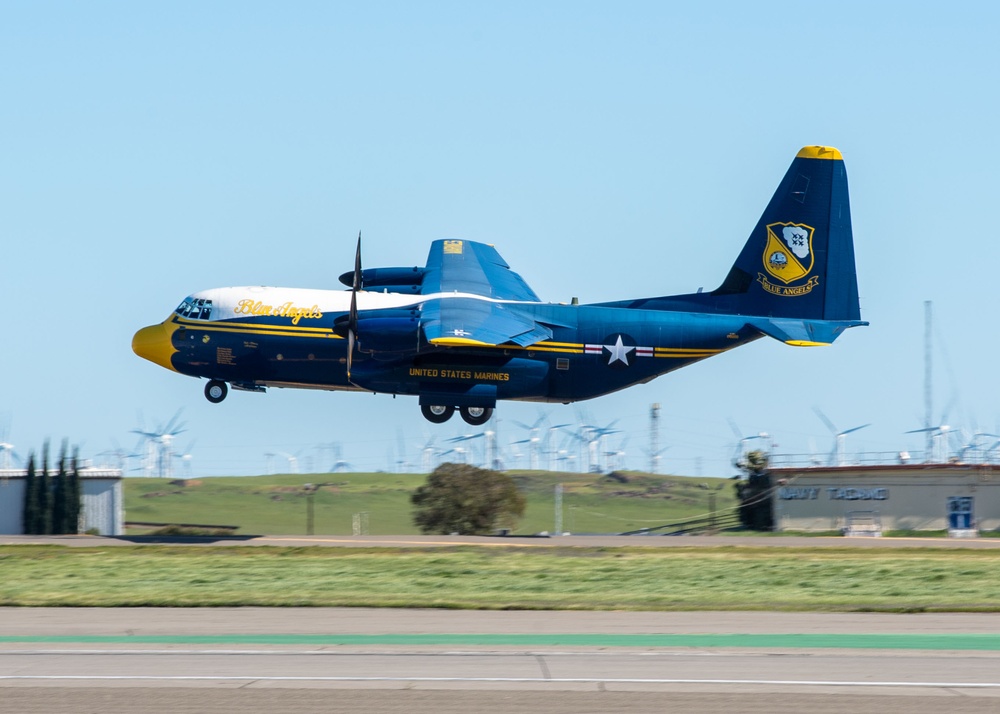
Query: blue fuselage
(594, 350)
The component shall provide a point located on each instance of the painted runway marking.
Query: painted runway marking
(386, 543)
(984, 642)
(516, 680)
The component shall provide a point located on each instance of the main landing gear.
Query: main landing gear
(216, 390)
(439, 413)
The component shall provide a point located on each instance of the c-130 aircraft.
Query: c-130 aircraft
(465, 331)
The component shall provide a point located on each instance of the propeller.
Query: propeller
(352, 320)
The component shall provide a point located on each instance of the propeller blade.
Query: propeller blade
(352, 318)
(357, 266)
(350, 352)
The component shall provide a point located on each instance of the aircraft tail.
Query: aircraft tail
(799, 260)
(795, 277)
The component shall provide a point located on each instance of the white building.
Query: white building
(102, 507)
(923, 497)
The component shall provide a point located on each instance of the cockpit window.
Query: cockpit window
(195, 309)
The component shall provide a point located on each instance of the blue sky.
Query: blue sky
(149, 150)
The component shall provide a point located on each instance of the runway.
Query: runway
(304, 660)
(570, 541)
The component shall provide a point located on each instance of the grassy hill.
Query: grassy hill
(277, 505)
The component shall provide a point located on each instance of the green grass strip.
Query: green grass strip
(979, 642)
(500, 578)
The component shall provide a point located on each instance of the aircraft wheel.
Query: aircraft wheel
(216, 390)
(436, 413)
(476, 415)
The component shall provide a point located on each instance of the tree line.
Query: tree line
(52, 500)
(754, 492)
(465, 500)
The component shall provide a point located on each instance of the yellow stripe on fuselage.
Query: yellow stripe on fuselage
(685, 352)
(540, 347)
(244, 328)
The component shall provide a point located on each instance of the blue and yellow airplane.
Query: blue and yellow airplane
(465, 331)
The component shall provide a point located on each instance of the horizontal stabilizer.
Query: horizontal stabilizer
(803, 333)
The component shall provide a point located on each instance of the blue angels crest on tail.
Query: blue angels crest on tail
(464, 331)
(788, 255)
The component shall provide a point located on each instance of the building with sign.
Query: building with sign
(962, 498)
(101, 501)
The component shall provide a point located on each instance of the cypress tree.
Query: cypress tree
(42, 500)
(59, 495)
(73, 495)
(28, 514)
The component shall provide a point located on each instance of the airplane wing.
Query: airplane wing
(467, 267)
(459, 266)
(468, 322)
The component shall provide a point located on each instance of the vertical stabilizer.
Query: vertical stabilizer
(799, 260)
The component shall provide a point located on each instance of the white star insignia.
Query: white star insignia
(618, 352)
(460, 333)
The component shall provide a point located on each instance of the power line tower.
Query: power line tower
(928, 383)
(654, 438)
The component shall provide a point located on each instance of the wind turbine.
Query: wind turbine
(120, 456)
(338, 465)
(838, 456)
(185, 459)
(427, 454)
(533, 441)
(741, 443)
(490, 458)
(939, 442)
(616, 457)
(403, 466)
(547, 447)
(972, 444)
(460, 452)
(159, 456)
(7, 454)
(491, 446)
(293, 460)
(987, 454)
(594, 436)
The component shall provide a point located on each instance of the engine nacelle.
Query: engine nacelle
(388, 333)
(393, 279)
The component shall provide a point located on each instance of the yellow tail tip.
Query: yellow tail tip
(819, 152)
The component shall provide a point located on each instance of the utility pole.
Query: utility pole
(558, 529)
(654, 438)
(928, 385)
(310, 490)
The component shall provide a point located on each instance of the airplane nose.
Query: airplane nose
(153, 343)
